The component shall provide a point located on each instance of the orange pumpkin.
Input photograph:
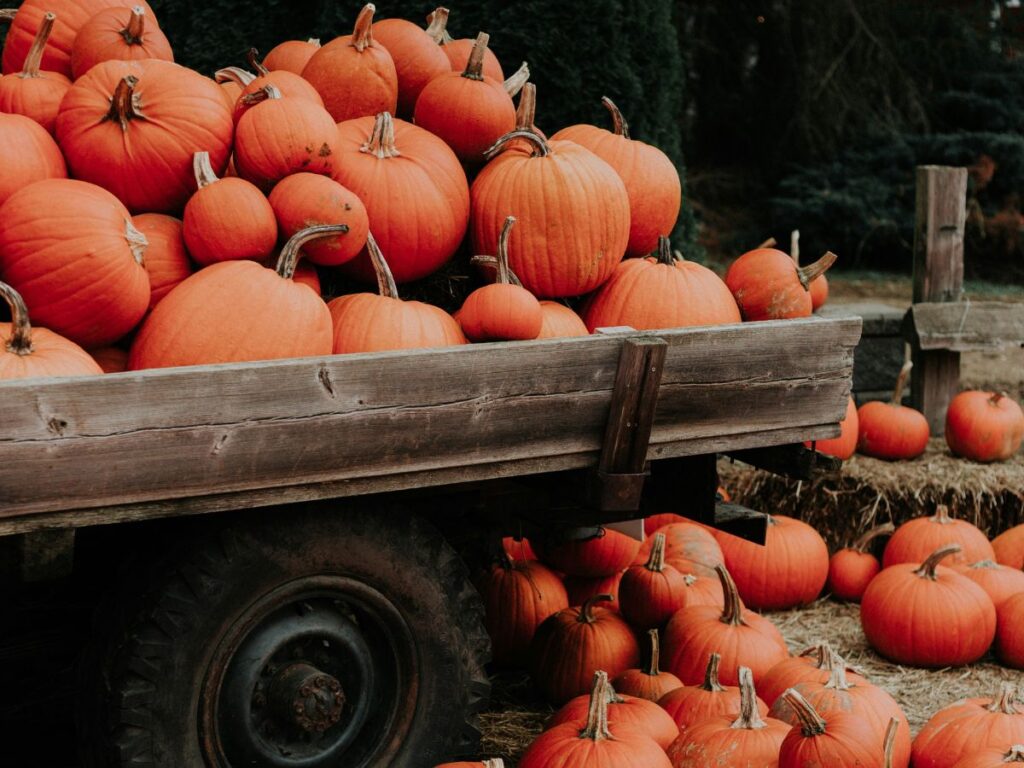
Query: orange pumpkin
(414, 189)
(289, 84)
(851, 569)
(291, 55)
(133, 127)
(994, 757)
(459, 51)
(767, 284)
(1009, 547)
(304, 199)
(582, 588)
(651, 593)
(916, 539)
(367, 322)
(355, 75)
(26, 353)
(166, 262)
(832, 738)
(123, 34)
(982, 426)
(306, 274)
(998, 581)
(575, 236)
(651, 179)
(690, 706)
(892, 431)
(72, 251)
(589, 552)
(468, 110)
(649, 682)
(497, 762)
(969, 726)
(560, 322)
(518, 548)
(813, 665)
(1010, 631)
(661, 292)
(844, 446)
(33, 93)
(30, 154)
(111, 359)
(418, 59)
(237, 311)
(227, 218)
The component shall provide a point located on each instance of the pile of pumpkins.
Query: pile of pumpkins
(157, 217)
(597, 600)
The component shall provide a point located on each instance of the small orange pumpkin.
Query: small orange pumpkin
(291, 55)
(31, 92)
(844, 446)
(851, 569)
(1009, 547)
(118, 33)
(999, 582)
(916, 539)
(589, 552)
(767, 284)
(692, 705)
(111, 359)
(305, 199)
(649, 682)
(892, 431)
(814, 664)
(819, 285)
(652, 592)
(982, 426)
(969, 726)
(459, 51)
(418, 59)
(560, 322)
(166, 262)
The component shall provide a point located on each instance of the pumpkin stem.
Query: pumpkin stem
(822, 651)
(1015, 755)
(136, 28)
(292, 250)
(837, 677)
(8, 14)
(811, 723)
(314, 41)
(265, 93)
(253, 58)
(862, 544)
(665, 255)
(750, 719)
(619, 125)
(437, 26)
(475, 65)
(732, 612)
(124, 104)
(203, 170)
(515, 82)
(35, 53)
(596, 728)
(385, 280)
(496, 762)
(20, 342)
(941, 515)
(794, 246)
(927, 568)
(656, 560)
(1004, 702)
(586, 617)
(491, 262)
(137, 242)
(986, 564)
(362, 32)
(504, 274)
(997, 397)
(653, 668)
(771, 242)
(540, 146)
(235, 75)
(889, 745)
(901, 383)
(382, 138)
(813, 271)
(526, 111)
(711, 682)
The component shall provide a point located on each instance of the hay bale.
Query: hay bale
(868, 492)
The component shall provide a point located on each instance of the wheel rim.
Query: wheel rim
(318, 673)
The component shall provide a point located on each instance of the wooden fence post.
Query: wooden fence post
(938, 277)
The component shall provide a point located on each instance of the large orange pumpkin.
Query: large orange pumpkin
(418, 59)
(290, 84)
(928, 615)
(651, 179)
(650, 593)
(26, 352)
(851, 569)
(110, 359)
(994, 757)
(833, 738)
(166, 262)
(227, 219)
(1010, 631)
(891, 430)
(999, 582)
(124, 34)
(649, 682)
(459, 51)
(305, 199)
(31, 92)
(72, 251)
(133, 127)
(367, 322)
(414, 189)
(767, 284)
(1009, 547)
(981, 426)
(589, 552)
(30, 154)
(814, 664)
(291, 55)
(692, 705)
(916, 539)
(573, 209)
(687, 541)
(71, 17)
(237, 311)
(844, 446)
(661, 292)
(355, 75)
(969, 726)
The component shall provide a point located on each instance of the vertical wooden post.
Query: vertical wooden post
(938, 277)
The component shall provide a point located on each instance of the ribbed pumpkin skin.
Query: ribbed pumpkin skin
(656, 522)
(279, 137)
(848, 742)
(891, 432)
(648, 682)
(648, 295)
(581, 588)
(819, 291)
(982, 426)
(850, 572)
(560, 322)
(565, 651)
(603, 555)
(994, 757)
(913, 620)
(562, 747)
(916, 539)
(517, 598)
(291, 56)
(71, 17)
(102, 39)
(652, 183)
(418, 201)
(148, 165)
(789, 570)
(1010, 632)
(305, 199)
(30, 154)
(692, 705)
(999, 582)
(306, 274)
(965, 728)
(290, 85)
(365, 322)
(564, 249)
(650, 593)
(1009, 547)
(111, 359)
(501, 312)
(33, 92)
(626, 711)
(166, 262)
(844, 446)
(417, 58)
(229, 219)
(806, 668)
(766, 287)
(686, 541)
(470, 115)
(234, 311)
(67, 247)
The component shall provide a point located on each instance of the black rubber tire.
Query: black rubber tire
(141, 678)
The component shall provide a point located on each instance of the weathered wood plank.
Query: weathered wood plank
(965, 325)
(294, 430)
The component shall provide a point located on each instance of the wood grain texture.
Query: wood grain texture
(193, 440)
(965, 325)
